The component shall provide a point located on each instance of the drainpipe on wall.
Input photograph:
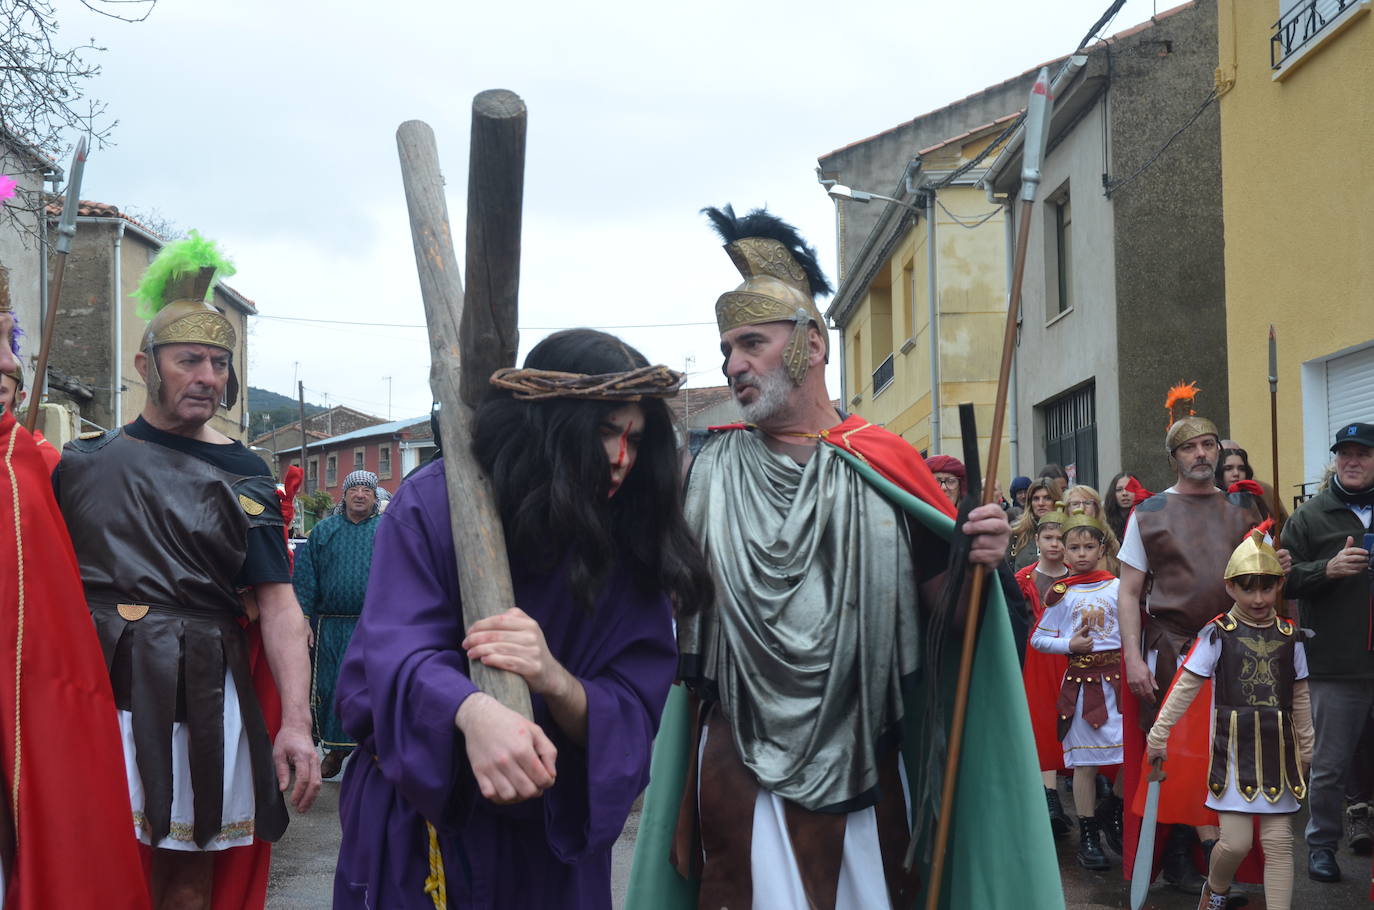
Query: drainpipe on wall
(117, 308)
(934, 324)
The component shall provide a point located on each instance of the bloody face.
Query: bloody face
(622, 431)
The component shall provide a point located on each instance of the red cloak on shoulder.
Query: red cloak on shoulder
(62, 756)
(883, 451)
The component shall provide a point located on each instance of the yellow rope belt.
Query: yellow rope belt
(435, 885)
(19, 640)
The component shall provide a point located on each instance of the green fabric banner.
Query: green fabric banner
(1001, 851)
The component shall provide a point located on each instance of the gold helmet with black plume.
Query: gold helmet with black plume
(175, 294)
(781, 281)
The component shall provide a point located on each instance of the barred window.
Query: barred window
(1071, 433)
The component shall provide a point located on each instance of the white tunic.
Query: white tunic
(1094, 605)
(238, 814)
(1202, 660)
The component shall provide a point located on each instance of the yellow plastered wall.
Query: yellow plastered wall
(1298, 203)
(970, 274)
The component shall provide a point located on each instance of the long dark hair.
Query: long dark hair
(549, 469)
(1111, 509)
(1220, 472)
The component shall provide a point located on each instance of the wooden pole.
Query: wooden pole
(479, 542)
(1274, 426)
(977, 581)
(305, 465)
(487, 333)
(66, 231)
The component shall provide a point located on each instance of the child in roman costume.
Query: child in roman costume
(1044, 673)
(1080, 621)
(1261, 723)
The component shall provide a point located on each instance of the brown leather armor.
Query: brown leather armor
(1252, 689)
(160, 537)
(1188, 540)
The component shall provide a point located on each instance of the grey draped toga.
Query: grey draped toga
(815, 618)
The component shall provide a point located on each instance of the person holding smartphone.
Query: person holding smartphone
(1329, 537)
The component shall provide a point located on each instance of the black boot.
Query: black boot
(1090, 855)
(1177, 861)
(1109, 821)
(1059, 819)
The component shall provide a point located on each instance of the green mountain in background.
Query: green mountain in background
(268, 409)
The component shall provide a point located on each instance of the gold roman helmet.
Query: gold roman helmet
(1187, 428)
(781, 281)
(174, 292)
(1254, 556)
(1081, 519)
(1056, 516)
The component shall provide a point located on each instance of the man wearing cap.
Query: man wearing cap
(178, 534)
(331, 582)
(1328, 537)
(1180, 542)
(780, 782)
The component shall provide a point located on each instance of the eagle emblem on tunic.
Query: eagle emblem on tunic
(1257, 679)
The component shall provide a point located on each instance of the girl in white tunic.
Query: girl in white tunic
(1261, 723)
(1080, 620)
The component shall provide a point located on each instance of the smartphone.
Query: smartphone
(1369, 548)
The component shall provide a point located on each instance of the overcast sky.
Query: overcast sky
(270, 127)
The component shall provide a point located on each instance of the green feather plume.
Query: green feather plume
(177, 259)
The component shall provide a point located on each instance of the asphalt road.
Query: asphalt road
(303, 871)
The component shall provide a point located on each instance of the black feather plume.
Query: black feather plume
(762, 223)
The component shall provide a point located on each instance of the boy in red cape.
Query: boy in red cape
(68, 827)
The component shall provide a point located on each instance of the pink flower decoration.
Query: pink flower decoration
(7, 186)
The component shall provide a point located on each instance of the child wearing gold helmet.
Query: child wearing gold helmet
(1261, 723)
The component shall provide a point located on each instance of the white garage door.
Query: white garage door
(1350, 390)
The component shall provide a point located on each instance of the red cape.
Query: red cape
(891, 456)
(1043, 675)
(75, 844)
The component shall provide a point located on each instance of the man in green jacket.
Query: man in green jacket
(1327, 537)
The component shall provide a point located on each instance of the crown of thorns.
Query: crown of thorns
(631, 385)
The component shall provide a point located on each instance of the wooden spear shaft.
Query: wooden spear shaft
(976, 582)
(1036, 134)
(1274, 425)
(478, 538)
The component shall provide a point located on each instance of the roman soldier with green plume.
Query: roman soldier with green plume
(178, 533)
(174, 297)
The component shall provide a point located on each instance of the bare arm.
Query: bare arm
(284, 634)
(1138, 676)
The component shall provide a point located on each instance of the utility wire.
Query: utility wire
(982, 219)
(1093, 32)
(1117, 183)
(523, 328)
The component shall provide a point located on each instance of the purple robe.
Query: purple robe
(400, 686)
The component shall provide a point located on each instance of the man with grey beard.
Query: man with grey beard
(813, 673)
(1176, 547)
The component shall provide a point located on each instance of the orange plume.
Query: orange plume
(1184, 391)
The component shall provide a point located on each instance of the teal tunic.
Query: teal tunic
(330, 581)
